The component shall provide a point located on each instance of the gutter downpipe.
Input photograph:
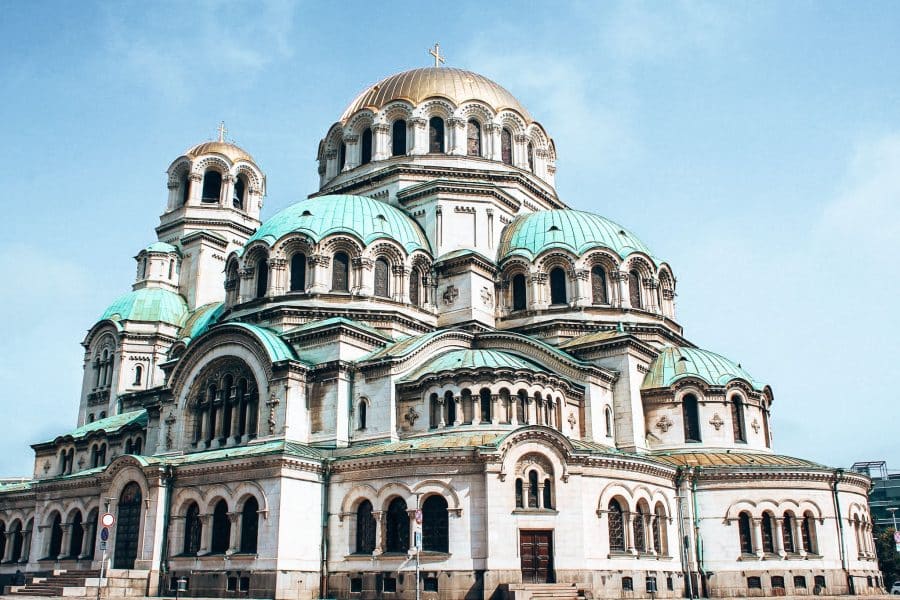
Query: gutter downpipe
(684, 540)
(699, 541)
(323, 580)
(840, 522)
(168, 481)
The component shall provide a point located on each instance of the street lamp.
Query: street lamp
(893, 511)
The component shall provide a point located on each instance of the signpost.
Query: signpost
(418, 545)
(107, 521)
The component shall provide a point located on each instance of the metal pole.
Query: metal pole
(417, 537)
(893, 511)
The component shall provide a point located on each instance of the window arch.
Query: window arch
(365, 156)
(398, 138)
(365, 528)
(520, 493)
(56, 535)
(737, 419)
(249, 526)
(532, 489)
(450, 406)
(435, 524)
(616, 524)
(415, 284)
(436, 411)
(238, 200)
(340, 272)
(221, 529)
(18, 541)
(768, 538)
(808, 533)
(660, 532)
(473, 138)
(397, 534)
(262, 277)
(361, 409)
(382, 278)
(212, 186)
(521, 402)
(138, 375)
(744, 533)
(547, 494)
(193, 530)
(298, 272)
(598, 285)
(436, 135)
(691, 414)
(609, 422)
(787, 533)
(558, 286)
(506, 154)
(484, 397)
(639, 525)
(518, 292)
(342, 156)
(634, 289)
(184, 188)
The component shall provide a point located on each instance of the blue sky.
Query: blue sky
(755, 146)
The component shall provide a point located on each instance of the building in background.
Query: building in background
(885, 491)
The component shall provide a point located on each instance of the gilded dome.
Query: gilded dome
(417, 85)
(227, 149)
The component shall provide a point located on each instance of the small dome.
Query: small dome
(456, 360)
(417, 85)
(674, 364)
(161, 247)
(362, 217)
(228, 150)
(148, 304)
(574, 230)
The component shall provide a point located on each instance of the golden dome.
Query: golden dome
(417, 85)
(227, 149)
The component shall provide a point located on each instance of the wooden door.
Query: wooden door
(536, 550)
(128, 527)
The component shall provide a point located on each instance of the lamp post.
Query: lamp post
(893, 511)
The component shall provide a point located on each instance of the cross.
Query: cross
(222, 131)
(436, 53)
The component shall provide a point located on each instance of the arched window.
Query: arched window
(737, 419)
(518, 292)
(365, 156)
(436, 135)
(473, 138)
(193, 530)
(609, 422)
(787, 533)
(484, 397)
(221, 529)
(450, 406)
(505, 409)
(262, 277)
(76, 535)
(128, 446)
(240, 192)
(465, 401)
(415, 283)
(634, 289)
(530, 150)
(744, 533)
(521, 402)
(138, 374)
(340, 272)
(506, 154)
(435, 524)
(298, 272)
(765, 424)
(56, 534)
(532, 489)
(18, 541)
(808, 531)
(171, 269)
(138, 446)
(639, 525)
(520, 495)
(365, 528)
(616, 524)
(398, 138)
(436, 411)
(691, 414)
(768, 539)
(660, 537)
(598, 285)
(547, 494)
(397, 534)
(342, 156)
(361, 414)
(382, 276)
(184, 188)
(249, 526)
(212, 186)
(557, 286)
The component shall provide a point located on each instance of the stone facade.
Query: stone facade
(431, 350)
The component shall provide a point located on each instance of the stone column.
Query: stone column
(10, 542)
(400, 291)
(492, 133)
(652, 285)
(205, 534)
(331, 163)
(380, 139)
(456, 130)
(379, 532)
(495, 414)
(621, 279)
(195, 180)
(419, 130)
(227, 191)
(457, 401)
(363, 283)
(26, 546)
(90, 534)
(245, 287)
(66, 540)
(652, 520)
(319, 273)
(530, 416)
(442, 412)
(628, 519)
(583, 292)
(412, 527)
(277, 276)
(520, 151)
(353, 152)
(798, 536)
(757, 537)
(476, 409)
(234, 543)
(779, 537)
(514, 410)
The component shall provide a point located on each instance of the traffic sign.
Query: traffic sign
(103, 545)
(107, 520)
(104, 534)
(897, 537)
(419, 516)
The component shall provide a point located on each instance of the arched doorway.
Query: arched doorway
(128, 527)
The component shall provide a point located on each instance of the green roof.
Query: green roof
(364, 218)
(331, 321)
(111, 424)
(718, 458)
(148, 304)
(675, 363)
(276, 347)
(161, 247)
(201, 319)
(574, 230)
(472, 359)
(403, 347)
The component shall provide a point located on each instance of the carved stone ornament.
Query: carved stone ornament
(664, 423)
(755, 425)
(46, 466)
(487, 297)
(716, 421)
(572, 420)
(411, 416)
(170, 424)
(450, 294)
(272, 403)
(80, 462)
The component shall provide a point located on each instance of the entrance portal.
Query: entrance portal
(128, 527)
(536, 550)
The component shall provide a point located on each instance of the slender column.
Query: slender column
(227, 191)
(457, 131)
(194, 180)
(380, 139)
(757, 537)
(205, 534)
(442, 410)
(10, 540)
(379, 531)
(235, 409)
(90, 532)
(234, 544)
(648, 533)
(622, 283)
(629, 532)
(457, 400)
(514, 409)
(779, 537)
(476, 409)
(530, 417)
(66, 540)
(495, 415)
(277, 276)
(353, 152)
(26, 546)
(412, 526)
(493, 134)
(419, 128)
(798, 536)
(319, 273)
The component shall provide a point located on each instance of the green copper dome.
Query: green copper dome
(456, 360)
(364, 218)
(674, 364)
(148, 304)
(161, 247)
(574, 230)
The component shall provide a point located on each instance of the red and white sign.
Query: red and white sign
(418, 517)
(107, 520)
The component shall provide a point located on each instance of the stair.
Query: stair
(56, 584)
(546, 591)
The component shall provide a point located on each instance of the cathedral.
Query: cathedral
(429, 379)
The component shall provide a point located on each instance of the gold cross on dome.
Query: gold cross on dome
(436, 53)
(222, 131)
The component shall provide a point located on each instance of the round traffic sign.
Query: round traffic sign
(418, 516)
(107, 520)
(897, 537)
(104, 534)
